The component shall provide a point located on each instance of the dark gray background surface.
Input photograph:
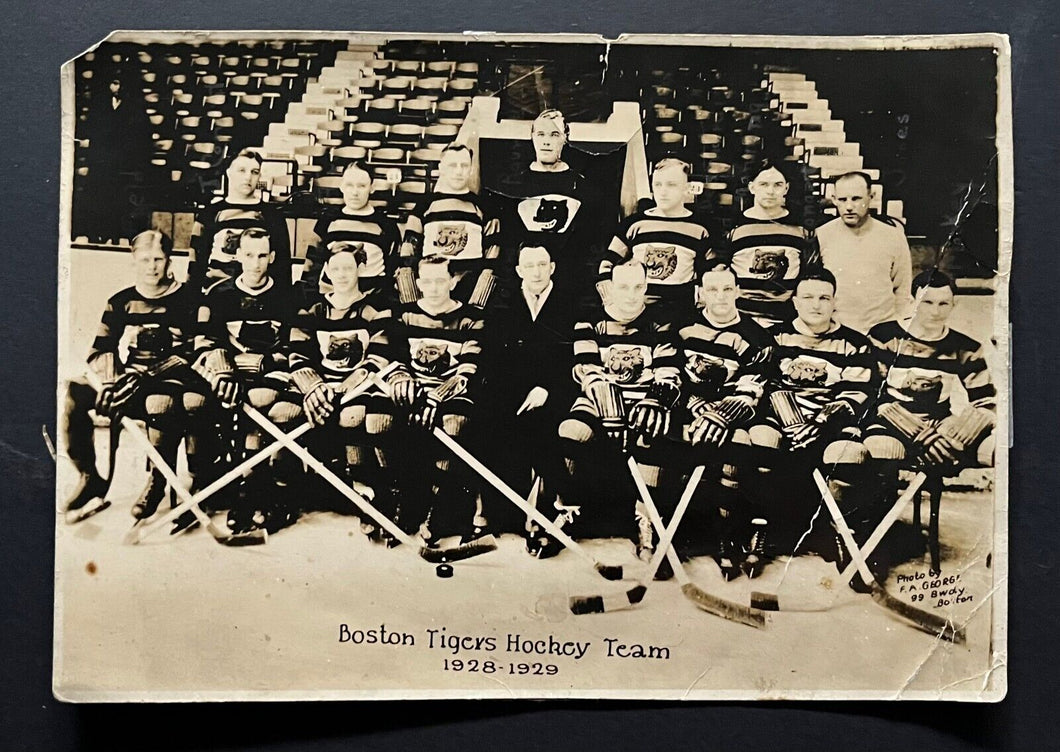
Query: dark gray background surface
(37, 37)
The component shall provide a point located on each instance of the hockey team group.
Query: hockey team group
(575, 357)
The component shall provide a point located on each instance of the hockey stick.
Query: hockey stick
(824, 599)
(139, 532)
(134, 430)
(596, 604)
(917, 618)
(432, 555)
(734, 612)
(607, 571)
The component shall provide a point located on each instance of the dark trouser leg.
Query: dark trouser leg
(76, 431)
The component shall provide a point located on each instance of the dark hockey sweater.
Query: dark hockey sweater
(923, 374)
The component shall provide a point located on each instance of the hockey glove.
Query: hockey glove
(113, 397)
(319, 403)
(218, 368)
(403, 390)
(715, 421)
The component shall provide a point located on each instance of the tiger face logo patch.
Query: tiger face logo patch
(342, 351)
(660, 261)
(430, 357)
(807, 372)
(624, 363)
(451, 240)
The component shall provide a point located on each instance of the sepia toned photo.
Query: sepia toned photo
(528, 366)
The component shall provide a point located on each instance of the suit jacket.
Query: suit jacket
(528, 352)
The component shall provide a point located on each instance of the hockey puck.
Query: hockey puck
(444, 570)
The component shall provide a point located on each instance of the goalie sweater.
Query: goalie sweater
(823, 368)
(673, 250)
(375, 238)
(434, 347)
(719, 361)
(633, 354)
(558, 211)
(242, 320)
(767, 258)
(139, 331)
(215, 239)
(923, 375)
(335, 341)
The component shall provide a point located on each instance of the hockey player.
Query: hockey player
(767, 251)
(823, 381)
(727, 357)
(240, 352)
(336, 344)
(215, 235)
(373, 234)
(671, 243)
(926, 366)
(550, 204)
(627, 367)
(151, 323)
(451, 223)
(434, 387)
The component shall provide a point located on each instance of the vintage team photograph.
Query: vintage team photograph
(480, 366)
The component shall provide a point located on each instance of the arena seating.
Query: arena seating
(828, 152)
(195, 95)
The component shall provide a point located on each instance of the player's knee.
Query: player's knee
(285, 413)
(741, 436)
(453, 425)
(159, 405)
(845, 452)
(261, 397)
(193, 401)
(352, 416)
(984, 455)
(885, 448)
(765, 436)
(575, 430)
(377, 423)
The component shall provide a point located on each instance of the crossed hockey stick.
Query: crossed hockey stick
(432, 555)
(922, 620)
(824, 599)
(595, 603)
(188, 502)
(254, 537)
(607, 571)
(712, 604)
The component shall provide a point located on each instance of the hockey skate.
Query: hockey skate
(758, 552)
(728, 560)
(87, 498)
(151, 497)
(646, 540)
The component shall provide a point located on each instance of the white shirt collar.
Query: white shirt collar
(535, 302)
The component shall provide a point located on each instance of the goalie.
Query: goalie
(926, 365)
(151, 323)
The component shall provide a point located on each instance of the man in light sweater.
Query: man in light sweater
(869, 257)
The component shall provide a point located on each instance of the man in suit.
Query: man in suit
(531, 384)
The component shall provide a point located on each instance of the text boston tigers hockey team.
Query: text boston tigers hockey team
(455, 644)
